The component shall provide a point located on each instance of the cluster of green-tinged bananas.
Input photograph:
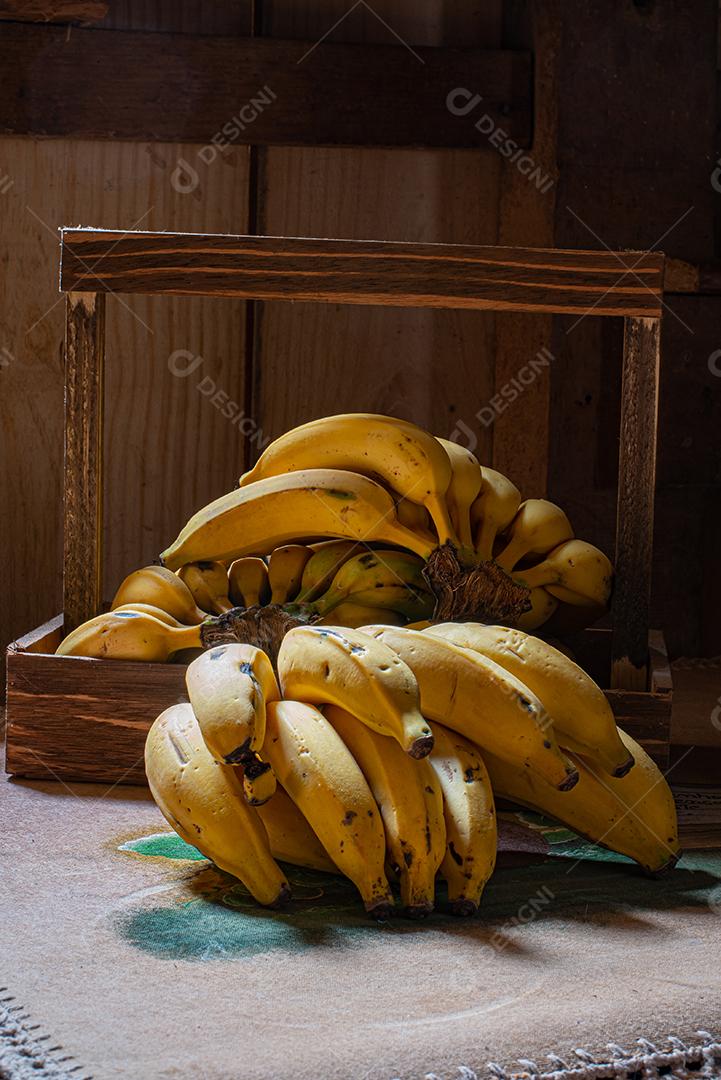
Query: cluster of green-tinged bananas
(388, 746)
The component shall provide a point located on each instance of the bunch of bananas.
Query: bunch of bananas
(377, 752)
(352, 519)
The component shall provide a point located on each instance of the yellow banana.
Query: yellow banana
(409, 799)
(330, 665)
(204, 803)
(471, 830)
(579, 710)
(538, 527)
(294, 506)
(259, 783)
(161, 588)
(380, 577)
(319, 773)
(324, 564)
(291, 838)
(492, 511)
(228, 687)
(248, 583)
(354, 615)
(285, 571)
(542, 607)
(463, 490)
(575, 572)
(156, 612)
(402, 455)
(208, 582)
(634, 815)
(128, 635)
(416, 517)
(479, 699)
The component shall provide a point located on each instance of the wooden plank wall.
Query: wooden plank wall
(168, 448)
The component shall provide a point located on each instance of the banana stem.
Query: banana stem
(512, 554)
(438, 509)
(186, 637)
(486, 538)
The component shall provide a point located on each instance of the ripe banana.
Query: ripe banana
(208, 582)
(542, 607)
(204, 803)
(163, 589)
(324, 564)
(259, 783)
(579, 710)
(291, 838)
(538, 527)
(411, 806)
(575, 572)
(128, 635)
(355, 615)
(288, 508)
(285, 571)
(416, 517)
(248, 583)
(492, 511)
(463, 490)
(229, 687)
(316, 769)
(634, 815)
(479, 699)
(156, 612)
(470, 815)
(402, 455)
(330, 665)
(379, 577)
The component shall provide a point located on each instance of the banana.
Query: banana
(324, 564)
(479, 699)
(463, 490)
(416, 517)
(161, 588)
(634, 815)
(369, 574)
(470, 815)
(575, 572)
(579, 710)
(316, 769)
(492, 511)
(402, 455)
(355, 615)
(248, 584)
(330, 665)
(294, 506)
(542, 607)
(128, 635)
(259, 783)
(148, 609)
(229, 687)
(291, 838)
(208, 582)
(285, 571)
(204, 803)
(538, 527)
(411, 806)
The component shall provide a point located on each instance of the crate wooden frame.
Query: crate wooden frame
(86, 719)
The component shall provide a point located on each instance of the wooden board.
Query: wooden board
(54, 11)
(74, 718)
(360, 272)
(255, 90)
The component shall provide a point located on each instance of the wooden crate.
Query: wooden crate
(86, 719)
(74, 718)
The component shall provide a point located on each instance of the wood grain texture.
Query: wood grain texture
(272, 92)
(75, 718)
(83, 473)
(169, 448)
(527, 209)
(636, 492)
(359, 272)
(54, 11)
